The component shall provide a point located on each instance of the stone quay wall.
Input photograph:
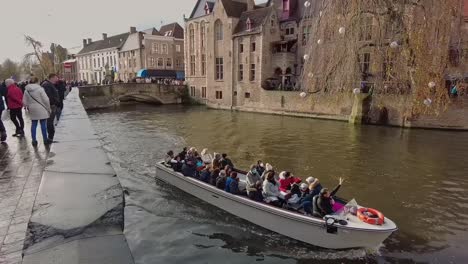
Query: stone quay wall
(78, 214)
(339, 106)
(103, 96)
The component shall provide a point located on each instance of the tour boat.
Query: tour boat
(328, 232)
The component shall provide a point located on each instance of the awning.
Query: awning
(180, 75)
(144, 73)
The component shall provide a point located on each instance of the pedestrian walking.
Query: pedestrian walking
(52, 94)
(61, 88)
(15, 104)
(36, 101)
(3, 133)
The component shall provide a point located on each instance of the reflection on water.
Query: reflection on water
(418, 178)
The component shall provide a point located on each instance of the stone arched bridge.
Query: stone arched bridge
(103, 96)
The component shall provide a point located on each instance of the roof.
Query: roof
(111, 42)
(151, 31)
(257, 18)
(172, 30)
(234, 8)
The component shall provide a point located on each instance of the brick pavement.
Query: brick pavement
(21, 168)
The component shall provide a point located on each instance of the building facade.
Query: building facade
(98, 60)
(234, 49)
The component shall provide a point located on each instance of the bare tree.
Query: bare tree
(37, 53)
(9, 69)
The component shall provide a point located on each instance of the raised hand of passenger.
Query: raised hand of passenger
(341, 181)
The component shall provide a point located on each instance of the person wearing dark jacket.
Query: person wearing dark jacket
(325, 200)
(54, 99)
(61, 88)
(3, 93)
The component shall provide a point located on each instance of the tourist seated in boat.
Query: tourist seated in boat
(183, 154)
(323, 203)
(260, 167)
(173, 161)
(287, 180)
(205, 174)
(228, 169)
(189, 168)
(314, 186)
(226, 161)
(268, 168)
(216, 164)
(232, 184)
(214, 176)
(206, 157)
(270, 189)
(254, 184)
(221, 180)
(304, 188)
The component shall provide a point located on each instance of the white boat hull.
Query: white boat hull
(303, 228)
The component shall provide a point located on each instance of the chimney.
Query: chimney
(90, 41)
(250, 5)
(104, 36)
(132, 30)
(85, 43)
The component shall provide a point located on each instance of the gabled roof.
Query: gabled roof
(257, 18)
(172, 30)
(111, 42)
(151, 31)
(234, 8)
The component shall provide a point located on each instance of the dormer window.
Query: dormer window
(249, 24)
(207, 9)
(168, 33)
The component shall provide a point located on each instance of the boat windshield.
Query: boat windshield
(350, 207)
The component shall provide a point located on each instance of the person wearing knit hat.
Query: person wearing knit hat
(15, 104)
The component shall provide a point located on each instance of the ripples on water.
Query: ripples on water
(418, 178)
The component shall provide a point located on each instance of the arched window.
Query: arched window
(202, 34)
(249, 24)
(192, 37)
(219, 30)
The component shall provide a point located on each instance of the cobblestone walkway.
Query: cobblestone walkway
(21, 168)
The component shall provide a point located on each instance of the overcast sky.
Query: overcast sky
(67, 22)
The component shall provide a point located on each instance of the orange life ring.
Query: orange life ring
(370, 216)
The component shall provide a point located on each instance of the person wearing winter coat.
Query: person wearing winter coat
(52, 93)
(36, 101)
(3, 133)
(271, 191)
(254, 184)
(15, 104)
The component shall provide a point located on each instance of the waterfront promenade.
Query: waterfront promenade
(21, 168)
(65, 205)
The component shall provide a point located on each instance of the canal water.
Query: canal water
(418, 178)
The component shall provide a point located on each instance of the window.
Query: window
(192, 65)
(305, 34)
(290, 31)
(133, 53)
(192, 91)
(285, 5)
(252, 72)
(253, 47)
(203, 64)
(155, 48)
(152, 62)
(160, 62)
(364, 63)
(168, 33)
(134, 62)
(164, 49)
(177, 63)
(202, 34)
(94, 62)
(219, 94)
(191, 37)
(169, 63)
(219, 30)
(247, 95)
(249, 24)
(241, 72)
(219, 69)
(203, 92)
(177, 47)
(365, 33)
(241, 48)
(388, 66)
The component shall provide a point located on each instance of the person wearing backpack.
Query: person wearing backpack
(37, 102)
